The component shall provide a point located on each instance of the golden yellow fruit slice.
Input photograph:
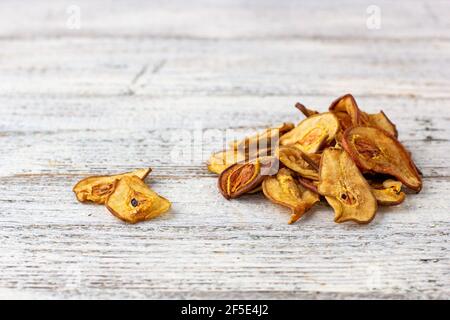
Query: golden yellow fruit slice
(285, 190)
(345, 188)
(97, 188)
(312, 133)
(133, 201)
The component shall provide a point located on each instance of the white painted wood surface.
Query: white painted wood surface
(116, 94)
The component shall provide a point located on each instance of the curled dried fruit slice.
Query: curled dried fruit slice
(388, 193)
(345, 189)
(243, 178)
(380, 120)
(97, 188)
(294, 159)
(306, 112)
(347, 105)
(312, 133)
(285, 190)
(219, 161)
(133, 201)
(262, 141)
(347, 111)
(374, 150)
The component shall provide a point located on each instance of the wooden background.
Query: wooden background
(125, 91)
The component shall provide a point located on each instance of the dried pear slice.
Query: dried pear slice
(285, 190)
(293, 158)
(306, 112)
(243, 178)
(380, 120)
(312, 133)
(347, 104)
(97, 188)
(376, 151)
(345, 189)
(133, 201)
(263, 140)
(388, 193)
(219, 161)
(347, 111)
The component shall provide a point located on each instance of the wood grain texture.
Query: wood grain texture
(139, 77)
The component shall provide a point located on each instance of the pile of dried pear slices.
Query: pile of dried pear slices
(125, 195)
(350, 158)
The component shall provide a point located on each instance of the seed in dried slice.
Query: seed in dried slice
(284, 189)
(306, 112)
(265, 140)
(312, 133)
(388, 193)
(97, 188)
(243, 178)
(376, 151)
(293, 158)
(219, 161)
(345, 188)
(380, 120)
(133, 201)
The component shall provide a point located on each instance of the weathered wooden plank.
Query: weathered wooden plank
(180, 68)
(226, 19)
(93, 135)
(244, 246)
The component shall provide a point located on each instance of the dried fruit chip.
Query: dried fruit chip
(262, 141)
(243, 178)
(294, 159)
(306, 112)
(347, 105)
(219, 161)
(312, 133)
(285, 190)
(347, 111)
(97, 188)
(380, 120)
(133, 201)
(345, 189)
(388, 193)
(376, 151)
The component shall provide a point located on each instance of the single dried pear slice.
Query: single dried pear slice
(388, 193)
(347, 104)
(306, 112)
(312, 133)
(293, 158)
(380, 120)
(376, 151)
(263, 140)
(345, 188)
(133, 201)
(285, 190)
(219, 161)
(97, 188)
(243, 178)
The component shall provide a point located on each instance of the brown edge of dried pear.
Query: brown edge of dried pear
(86, 195)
